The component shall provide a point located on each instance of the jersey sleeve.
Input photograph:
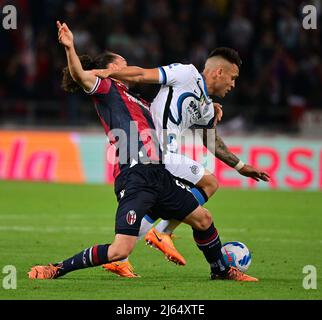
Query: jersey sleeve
(176, 74)
(101, 86)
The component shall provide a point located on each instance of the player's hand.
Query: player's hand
(251, 172)
(218, 111)
(105, 73)
(65, 36)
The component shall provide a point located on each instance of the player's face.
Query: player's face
(225, 79)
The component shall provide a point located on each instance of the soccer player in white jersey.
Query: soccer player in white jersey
(184, 102)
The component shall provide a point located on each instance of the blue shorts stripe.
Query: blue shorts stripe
(198, 195)
(149, 219)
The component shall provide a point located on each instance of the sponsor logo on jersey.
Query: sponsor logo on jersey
(122, 193)
(131, 217)
(194, 111)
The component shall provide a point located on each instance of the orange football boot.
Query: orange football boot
(43, 272)
(163, 242)
(121, 268)
(234, 274)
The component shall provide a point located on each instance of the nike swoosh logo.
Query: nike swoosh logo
(157, 236)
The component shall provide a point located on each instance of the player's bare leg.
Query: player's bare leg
(121, 267)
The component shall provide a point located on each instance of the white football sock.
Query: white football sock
(145, 227)
(167, 226)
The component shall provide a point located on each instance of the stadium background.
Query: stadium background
(277, 93)
(272, 118)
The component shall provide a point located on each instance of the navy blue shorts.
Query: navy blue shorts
(149, 189)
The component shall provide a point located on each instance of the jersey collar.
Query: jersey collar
(209, 100)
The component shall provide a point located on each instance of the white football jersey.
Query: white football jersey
(181, 103)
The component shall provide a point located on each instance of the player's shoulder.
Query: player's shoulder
(193, 68)
(182, 66)
(178, 74)
(185, 71)
(103, 86)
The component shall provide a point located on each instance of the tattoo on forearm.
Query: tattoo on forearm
(223, 153)
(217, 147)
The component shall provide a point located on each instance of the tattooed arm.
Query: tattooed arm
(215, 144)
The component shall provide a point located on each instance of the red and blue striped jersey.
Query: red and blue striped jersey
(127, 123)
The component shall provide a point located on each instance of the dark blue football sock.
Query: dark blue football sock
(90, 257)
(209, 243)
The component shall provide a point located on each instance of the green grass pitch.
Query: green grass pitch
(42, 223)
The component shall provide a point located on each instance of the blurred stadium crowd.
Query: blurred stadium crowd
(281, 75)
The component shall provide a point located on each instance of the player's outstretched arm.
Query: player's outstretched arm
(130, 74)
(84, 78)
(215, 144)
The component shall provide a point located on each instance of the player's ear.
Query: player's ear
(217, 72)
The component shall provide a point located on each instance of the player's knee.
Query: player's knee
(205, 221)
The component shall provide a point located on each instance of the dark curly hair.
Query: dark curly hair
(228, 54)
(99, 62)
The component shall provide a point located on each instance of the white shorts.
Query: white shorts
(183, 167)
